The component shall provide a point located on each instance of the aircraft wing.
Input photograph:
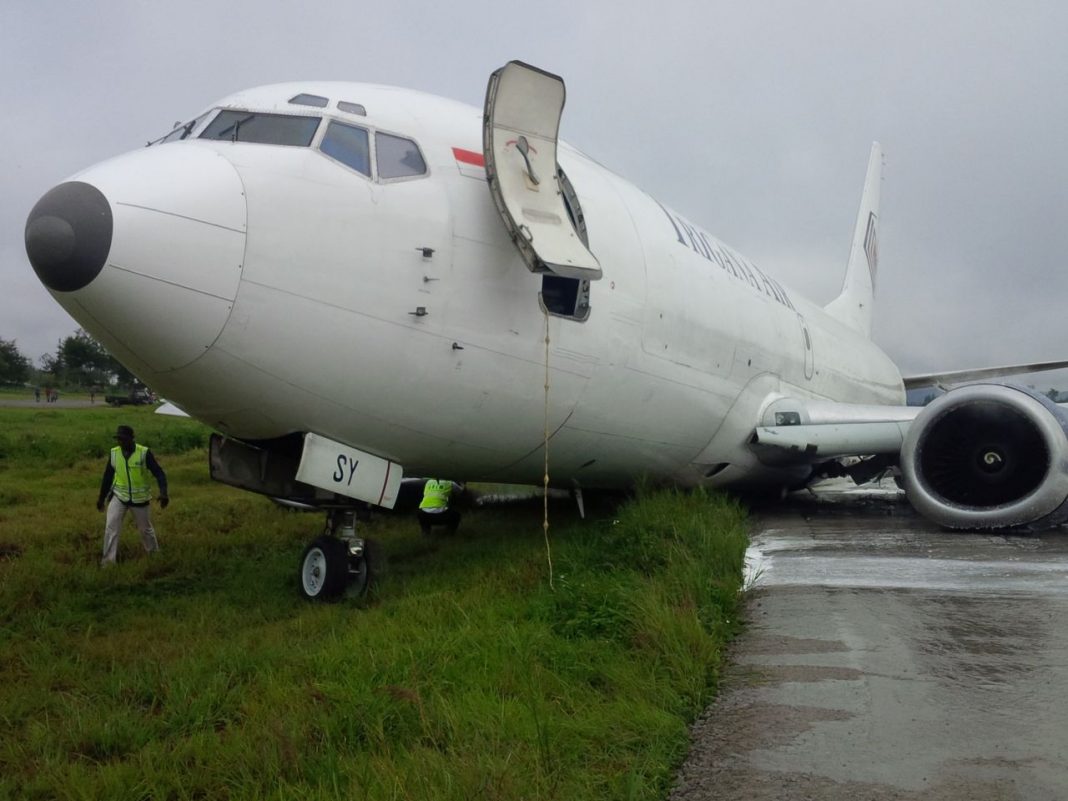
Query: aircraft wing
(980, 456)
(944, 380)
(812, 431)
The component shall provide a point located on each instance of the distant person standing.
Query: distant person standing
(37, 394)
(434, 508)
(126, 480)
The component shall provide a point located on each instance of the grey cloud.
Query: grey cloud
(754, 121)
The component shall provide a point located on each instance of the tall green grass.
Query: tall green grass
(200, 673)
(56, 437)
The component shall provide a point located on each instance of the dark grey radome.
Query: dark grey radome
(68, 236)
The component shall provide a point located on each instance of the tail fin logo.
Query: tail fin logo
(871, 245)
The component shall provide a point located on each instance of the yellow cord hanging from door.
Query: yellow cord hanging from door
(545, 488)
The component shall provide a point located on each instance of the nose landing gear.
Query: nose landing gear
(337, 561)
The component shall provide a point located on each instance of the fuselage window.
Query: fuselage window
(309, 100)
(351, 108)
(397, 157)
(349, 145)
(264, 129)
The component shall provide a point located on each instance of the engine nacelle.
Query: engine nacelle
(988, 456)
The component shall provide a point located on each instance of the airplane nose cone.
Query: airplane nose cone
(68, 236)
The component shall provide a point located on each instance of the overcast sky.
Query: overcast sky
(752, 119)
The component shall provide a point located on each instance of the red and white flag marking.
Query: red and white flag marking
(470, 163)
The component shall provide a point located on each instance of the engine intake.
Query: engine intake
(988, 456)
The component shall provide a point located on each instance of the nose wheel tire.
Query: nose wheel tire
(324, 569)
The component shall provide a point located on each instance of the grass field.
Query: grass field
(26, 393)
(199, 673)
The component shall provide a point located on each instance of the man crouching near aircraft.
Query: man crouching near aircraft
(434, 508)
(126, 479)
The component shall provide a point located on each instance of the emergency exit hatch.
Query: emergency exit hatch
(522, 121)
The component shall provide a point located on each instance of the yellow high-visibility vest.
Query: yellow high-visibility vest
(436, 494)
(131, 483)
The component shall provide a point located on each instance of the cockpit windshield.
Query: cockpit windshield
(182, 130)
(261, 128)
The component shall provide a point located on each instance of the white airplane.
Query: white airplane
(352, 282)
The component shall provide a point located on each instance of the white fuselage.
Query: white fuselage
(270, 289)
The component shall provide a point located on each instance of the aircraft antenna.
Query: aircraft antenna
(545, 488)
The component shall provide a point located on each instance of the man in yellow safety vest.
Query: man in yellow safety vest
(126, 481)
(434, 508)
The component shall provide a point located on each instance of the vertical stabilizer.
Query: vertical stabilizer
(854, 305)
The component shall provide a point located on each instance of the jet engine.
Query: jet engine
(988, 456)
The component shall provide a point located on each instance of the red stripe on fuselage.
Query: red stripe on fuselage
(469, 157)
(385, 483)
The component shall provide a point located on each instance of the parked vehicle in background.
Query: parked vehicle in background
(139, 396)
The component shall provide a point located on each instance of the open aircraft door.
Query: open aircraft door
(521, 124)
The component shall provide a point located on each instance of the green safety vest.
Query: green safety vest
(436, 494)
(131, 475)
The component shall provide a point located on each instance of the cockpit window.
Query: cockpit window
(351, 108)
(309, 100)
(264, 129)
(349, 145)
(397, 157)
(182, 131)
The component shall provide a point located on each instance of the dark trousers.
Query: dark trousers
(450, 518)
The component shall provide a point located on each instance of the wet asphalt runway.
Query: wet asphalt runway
(887, 659)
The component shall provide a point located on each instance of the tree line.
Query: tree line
(79, 362)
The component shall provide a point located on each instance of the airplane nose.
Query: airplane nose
(68, 235)
(146, 251)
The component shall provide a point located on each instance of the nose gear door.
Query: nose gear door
(521, 124)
